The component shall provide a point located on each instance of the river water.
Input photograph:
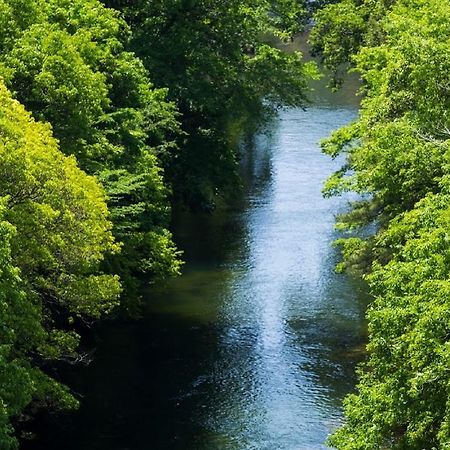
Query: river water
(255, 346)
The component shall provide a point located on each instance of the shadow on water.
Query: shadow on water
(254, 347)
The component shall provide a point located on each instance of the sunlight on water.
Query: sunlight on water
(282, 280)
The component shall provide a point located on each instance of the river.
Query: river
(255, 346)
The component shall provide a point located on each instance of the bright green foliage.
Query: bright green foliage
(55, 228)
(397, 152)
(50, 76)
(20, 328)
(221, 70)
(403, 396)
(60, 215)
(398, 159)
(23, 341)
(342, 28)
(68, 66)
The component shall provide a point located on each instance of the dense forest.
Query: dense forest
(111, 112)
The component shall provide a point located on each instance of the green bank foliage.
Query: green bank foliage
(65, 61)
(398, 159)
(105, 115)
(55, 231)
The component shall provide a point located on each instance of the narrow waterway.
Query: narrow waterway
(254, 347)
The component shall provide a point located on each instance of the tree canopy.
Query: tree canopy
(397, 159)
(67, 64)
(55, 233)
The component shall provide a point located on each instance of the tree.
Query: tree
(403, 400)
(67, 64)
(396, 151)
(20, 324)
(54, 234)
(397, 158)
(342, 28)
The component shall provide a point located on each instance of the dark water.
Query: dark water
(254, 347)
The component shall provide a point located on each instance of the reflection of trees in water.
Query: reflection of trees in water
(256, 160)
(219, 237)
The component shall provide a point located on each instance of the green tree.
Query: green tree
(67, 64)
(342, 27)
(397, 158)
(397, 150)
(55, 229)
(403, 398)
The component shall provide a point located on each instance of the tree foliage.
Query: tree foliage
(54, 234)
(341, 28)
(67, 64)
(397, 158)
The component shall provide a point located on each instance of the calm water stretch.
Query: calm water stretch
(254, 347)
